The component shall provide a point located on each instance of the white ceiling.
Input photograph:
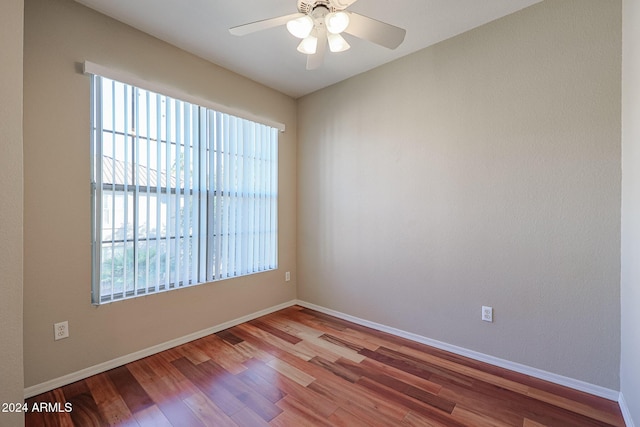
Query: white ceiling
(270, 56)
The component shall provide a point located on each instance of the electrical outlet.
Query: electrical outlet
(287, 276)
(487, 313)
(61, 330)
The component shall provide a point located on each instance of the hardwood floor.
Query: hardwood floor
(298, 367)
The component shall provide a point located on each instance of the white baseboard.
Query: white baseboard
(626, 414)
(119, 361)
(517, 367)
(523, 369)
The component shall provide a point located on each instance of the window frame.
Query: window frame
(204, 197)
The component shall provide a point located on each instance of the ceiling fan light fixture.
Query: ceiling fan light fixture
(336, 22)
(308, 45)
(320, 24)
(300, 27)
(337, 43)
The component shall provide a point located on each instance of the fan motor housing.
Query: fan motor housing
(307, 6)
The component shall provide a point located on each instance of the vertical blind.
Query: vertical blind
(181, 194)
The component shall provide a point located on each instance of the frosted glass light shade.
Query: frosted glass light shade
(300, 27)
(308, 45)
(336, 22)
(337, 43)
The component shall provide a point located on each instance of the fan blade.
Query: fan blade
(315, 61)
(375, 31)
(341, 4)
(242, 30)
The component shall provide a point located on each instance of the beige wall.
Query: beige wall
(484, 170)
(59, 35)
(11, 372)
(630, 280)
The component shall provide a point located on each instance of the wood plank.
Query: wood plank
(249, 351)
(150, 417)
(292, 339)
(159, 387)
(489, 400)
(162, 365)
(415, 368)
(130, 389)
(430, 399)
(347, 334)
(37, 419)
(74, 389)
(179, 414)
(109, 401)
(252, 400)
(338, 350)
(391, 341)
(595, 402)
(577, 407)
(207, 412)
(417, 420)
(511, 385)
(412, 404)
(229, 337)
(293, 405)
(169, 355)
(529, 423)
(343, 418)
(314, 350)
(217, 393)
(289, 325)
(290, 418)
(247, 417)
(289, 355)
(38, 413)
(476, 419)
(336, 369)
(65, 417)
(414, 355)
(167, 391)
(291, 372)
(191, 352)
(370, 341)
(332, 322)
(313, 400)
(418, 382)
(342, 342)
(601, 404)
(260, 385)
(360, 401)
(510, 407)
(85, 410)
(299, 367)
(222, 353)
(269, 341)
(400, 386)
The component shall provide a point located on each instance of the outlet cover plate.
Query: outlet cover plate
(61, 330)
(487, 313)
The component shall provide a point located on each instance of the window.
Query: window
(181, 194)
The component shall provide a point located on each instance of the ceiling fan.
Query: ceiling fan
(321, 22)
